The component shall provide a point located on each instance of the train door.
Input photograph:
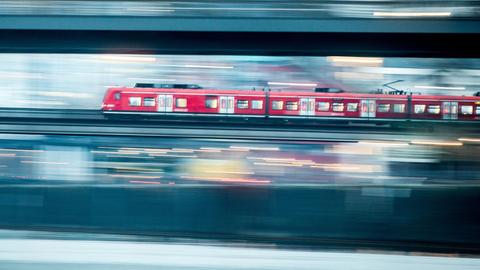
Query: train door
(307, 106)
(450, 110)
(165, 103)
(367, 108)
(226, 104)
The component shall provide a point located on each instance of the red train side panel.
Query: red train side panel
(185, 101)
(445, 107)
(338, 105)
(290, 104)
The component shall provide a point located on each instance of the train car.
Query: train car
(455, 108)
(337, 106)
(192, 100)
(185, 101)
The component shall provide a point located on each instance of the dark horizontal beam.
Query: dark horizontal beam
(332, 130)
(224, 24)
(241, 43)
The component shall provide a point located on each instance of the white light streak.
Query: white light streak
(198, 66)
(225, 172)
(293, 84)
(208, 66)
(469, 139)
(41, 102)
(182, 150)
(247, 148)
(173, 156)
(128, 58)
(249, 9)
(277, 164)
(357, 75)
(384, 143)
(145, 182)
(361, 60)
(437, 143)
(125, 156)
(228, 180)
(20, 75)
(65, 94)
(22, 150)
(134, 176)
(209, 150)
(438, 87)
(149, 9)
(412, 14)
(44, 162)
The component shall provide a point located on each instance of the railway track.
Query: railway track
(92, 122)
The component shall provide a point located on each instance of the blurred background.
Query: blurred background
(79, 81)
(78, 189)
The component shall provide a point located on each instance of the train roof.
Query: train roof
(168, 85)
(336, 95)
(188, 91)
(442, 97)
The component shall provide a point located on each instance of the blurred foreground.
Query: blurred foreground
(27, 250)
(419, 196)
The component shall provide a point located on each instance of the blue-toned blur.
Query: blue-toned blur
(133, 137)
(82, 187)
(254, 9)
(79, 81)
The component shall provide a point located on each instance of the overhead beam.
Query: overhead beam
(237, 24)
(241, 43)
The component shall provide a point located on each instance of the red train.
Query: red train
(192, 100)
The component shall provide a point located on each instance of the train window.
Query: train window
(181, 103)
(134, 101)
(477, 111)
(257, 104)
(419, 108)
(352, 107)
(337, 107)
(398, 108)
(467, 109)
(292, 105)
(149, 102)
(323, 106)
(211, 103)
(384, 108)
(242, 104)
(433, 109)
(277, 105)
(117, 95)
